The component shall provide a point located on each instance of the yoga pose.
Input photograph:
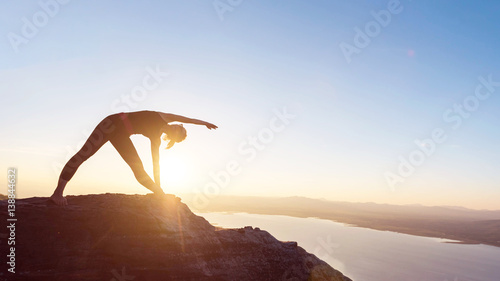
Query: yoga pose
(117, 129)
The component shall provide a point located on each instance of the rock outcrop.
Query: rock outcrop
(144, 237)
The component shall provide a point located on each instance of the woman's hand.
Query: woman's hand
(210, 126)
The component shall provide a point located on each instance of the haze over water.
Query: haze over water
(371, 255)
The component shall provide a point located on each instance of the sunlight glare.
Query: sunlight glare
(173, 170)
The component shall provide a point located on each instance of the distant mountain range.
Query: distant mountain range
(450, 222)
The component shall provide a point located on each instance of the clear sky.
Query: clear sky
(363, 81)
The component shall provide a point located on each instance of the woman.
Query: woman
(117, 129)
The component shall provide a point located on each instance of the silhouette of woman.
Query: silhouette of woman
(117, 129)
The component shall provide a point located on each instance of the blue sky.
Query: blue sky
(352, 119)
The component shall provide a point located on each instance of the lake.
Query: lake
(371, 255)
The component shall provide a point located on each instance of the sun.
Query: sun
(173, 170)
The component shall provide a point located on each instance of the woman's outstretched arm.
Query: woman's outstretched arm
(168, 117)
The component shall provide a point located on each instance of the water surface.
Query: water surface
(371, 255)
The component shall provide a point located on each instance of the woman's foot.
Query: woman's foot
(59, 200)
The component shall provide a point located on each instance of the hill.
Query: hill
(145, 237)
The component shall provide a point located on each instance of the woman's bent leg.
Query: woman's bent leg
(127, 151)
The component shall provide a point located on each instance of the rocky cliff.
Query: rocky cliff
(143, 237)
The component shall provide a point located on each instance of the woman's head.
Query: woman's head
(174, 133)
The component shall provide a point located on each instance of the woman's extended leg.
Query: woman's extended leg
(126, 148)
(96, 140)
